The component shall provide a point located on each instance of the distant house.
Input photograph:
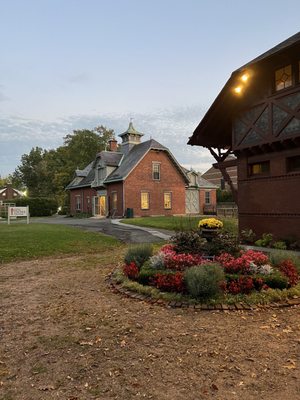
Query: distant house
(9, 193)
(256, 117)
(201, 195)
(214, 175)
(136, 179)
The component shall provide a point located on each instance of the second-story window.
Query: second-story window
(156, 171)
(283, 77)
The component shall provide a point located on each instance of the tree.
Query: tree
(33, 172)
(46, 173)
(84, 144)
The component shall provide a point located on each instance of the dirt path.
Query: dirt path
(64, 335)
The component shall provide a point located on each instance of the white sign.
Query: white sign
(18, 212)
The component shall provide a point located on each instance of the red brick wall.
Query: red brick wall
(118, 188)
(84, 193)
(213, 200)
(270, 204)
(140, 179)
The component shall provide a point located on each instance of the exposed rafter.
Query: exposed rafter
(220, 155)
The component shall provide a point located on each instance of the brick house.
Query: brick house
(9, 193)
(256, 117)
(138, 178)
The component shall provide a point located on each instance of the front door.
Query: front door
(100, 206)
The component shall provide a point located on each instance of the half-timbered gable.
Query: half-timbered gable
(256, 117)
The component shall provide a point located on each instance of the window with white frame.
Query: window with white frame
(156, 171)
(145, 203)
(167, 200)
(207, 198)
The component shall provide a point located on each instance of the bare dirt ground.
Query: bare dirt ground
(65, 335)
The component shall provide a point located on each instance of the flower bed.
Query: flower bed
(210, 273)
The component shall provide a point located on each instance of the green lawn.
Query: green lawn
(179, 223)
(21, 242)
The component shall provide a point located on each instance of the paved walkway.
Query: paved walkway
(113, 227)
(162, 234)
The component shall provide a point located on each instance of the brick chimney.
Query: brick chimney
(112, 145)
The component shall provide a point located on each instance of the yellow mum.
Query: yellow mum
(210, 223)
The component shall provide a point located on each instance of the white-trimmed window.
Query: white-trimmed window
(207, 198)
(78, 202)
(167, 200)
(145, 200)
(114, 200)
(156, 171)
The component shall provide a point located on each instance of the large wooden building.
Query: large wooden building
(256, 117)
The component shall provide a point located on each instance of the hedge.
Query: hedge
(38, 206)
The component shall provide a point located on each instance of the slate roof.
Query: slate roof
(83, 177)
(124, 163)
(111, 158)
(134, 156)
(203, 183)
(86, 176)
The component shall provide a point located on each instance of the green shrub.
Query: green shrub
(222, 242)
(204, 281)
(188, 242)
(38, 206)
(224, 196)
(280, 245)
(265, 241)
(248, 236)
(276, 280)
(138, 254)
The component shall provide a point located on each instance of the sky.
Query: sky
(74, 64)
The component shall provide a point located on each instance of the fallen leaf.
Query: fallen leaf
(45, 388)
(83, 343)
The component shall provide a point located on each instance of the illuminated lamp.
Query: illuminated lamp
(238, 89)
(245, 77)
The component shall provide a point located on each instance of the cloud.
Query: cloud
(171, 127)
(81, 77)
(3, 97)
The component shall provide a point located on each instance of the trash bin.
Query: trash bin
(129, 212)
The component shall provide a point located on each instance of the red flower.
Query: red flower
(241, 264)
(169, 282)
(288, 268)
(131, 270)
(243, 284)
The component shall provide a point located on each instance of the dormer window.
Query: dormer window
(283, 77)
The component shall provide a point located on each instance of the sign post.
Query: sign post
(18, 212)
